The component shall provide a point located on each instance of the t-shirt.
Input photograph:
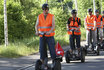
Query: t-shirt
(70, 19)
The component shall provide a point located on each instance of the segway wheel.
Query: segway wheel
(82, 55)
(86, 46)
(103, 47)
(38, 65)
(67, 57)
(98, 51)
(56, 65)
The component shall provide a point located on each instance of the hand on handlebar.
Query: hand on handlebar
(91, 28)
(48, 33)
(37, 33)
(77, 29)
(74, 28)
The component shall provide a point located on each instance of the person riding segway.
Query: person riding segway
(90, 26)
(102, 47)
(45, 28)
(99, 30)
(75, 52)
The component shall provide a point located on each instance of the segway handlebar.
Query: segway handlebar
(90, 28)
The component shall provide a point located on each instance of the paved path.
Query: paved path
(92, 63)
(27, 63)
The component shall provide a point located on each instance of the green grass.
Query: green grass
(31, 45)
(20, 48)
(83, 34)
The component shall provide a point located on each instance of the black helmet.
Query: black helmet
(89, 10)
(97, 11)
(74, 11)
(45, 6)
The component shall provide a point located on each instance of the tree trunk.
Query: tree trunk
(101, 7)
(5, 24)
(76, 6)
(94, 6)
(46, 1)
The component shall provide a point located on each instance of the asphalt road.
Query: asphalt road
(92, 62)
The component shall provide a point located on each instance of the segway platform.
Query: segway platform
(95, 50)
(56, 65)
(74, 57)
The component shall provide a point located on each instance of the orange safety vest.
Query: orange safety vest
(98, 21)
(103, 21)
(75, 25)
(45, 25)
(90, 21)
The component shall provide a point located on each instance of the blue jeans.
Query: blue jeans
(44, 41)
(74, 39)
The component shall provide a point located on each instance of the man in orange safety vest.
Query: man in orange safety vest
(74, 23)
(99, 26)
(46, 24)
(90, 23)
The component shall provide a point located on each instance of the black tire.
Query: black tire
(38, 65)
(103, 47)
(98, 50)
(56, 65)
(86, 46)
(67, 57)
(82, 55)
(61, 59)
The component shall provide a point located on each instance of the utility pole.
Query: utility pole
(5, 24)
(94, 6)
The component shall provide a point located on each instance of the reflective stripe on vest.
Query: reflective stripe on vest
(45, 27)
(45, 31)
(90, 25)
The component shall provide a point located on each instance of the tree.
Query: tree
(46, 1)
(94, 6)
(5, 24)
(101, 6)
(76, 6)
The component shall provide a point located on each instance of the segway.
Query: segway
(102, 43)
(43, 65)
(92, 49)
(56, 65)
(75, 54)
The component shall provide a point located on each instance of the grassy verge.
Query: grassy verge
(31, 45)
(20, 48)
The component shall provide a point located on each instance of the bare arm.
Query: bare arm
(53, 24)
(94, 24)
(36, 26)
(67, 26)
